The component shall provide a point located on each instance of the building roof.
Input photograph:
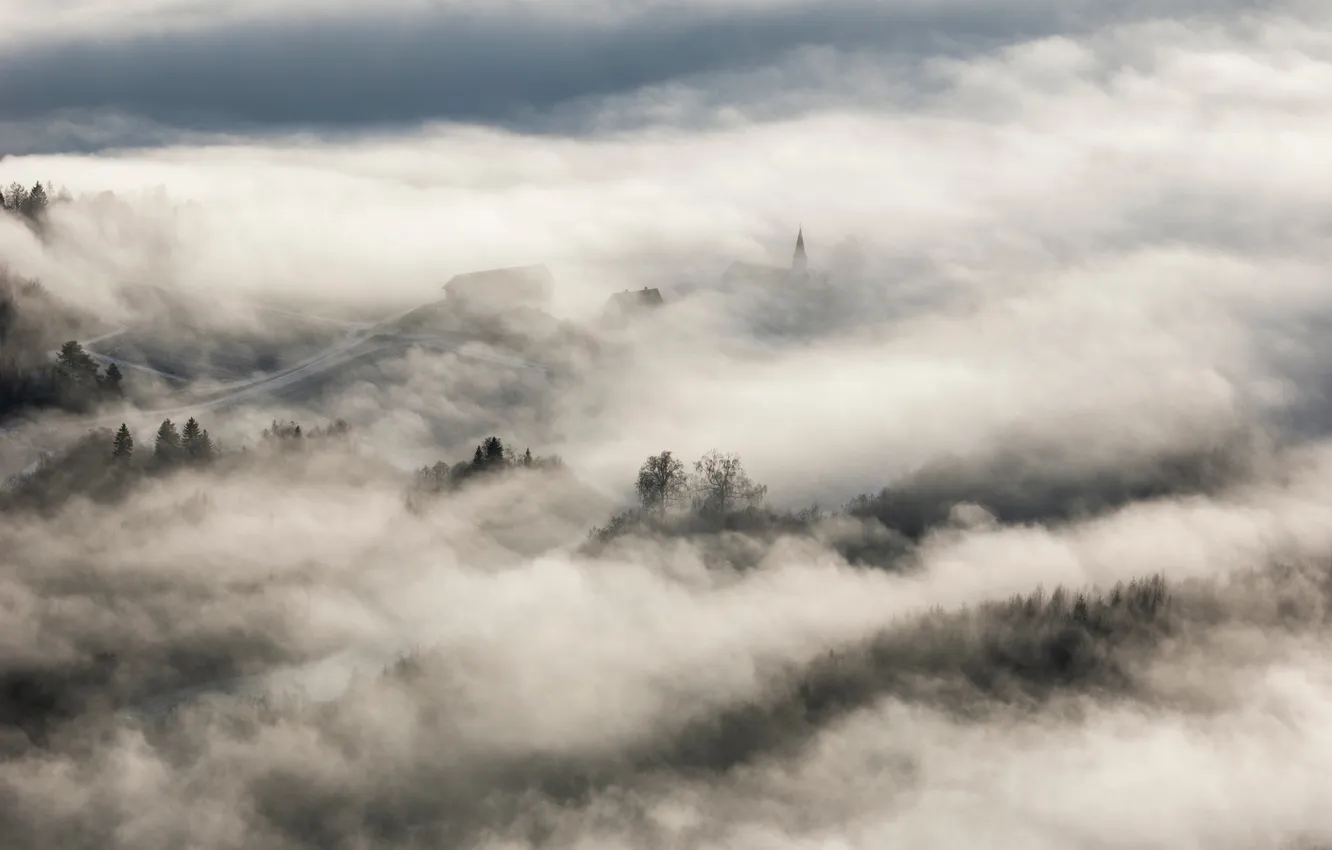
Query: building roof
(644, 297)
(533, 280)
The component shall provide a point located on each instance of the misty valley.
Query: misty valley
(340, 643)
(677, 426)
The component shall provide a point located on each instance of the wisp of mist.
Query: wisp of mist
(877, 424)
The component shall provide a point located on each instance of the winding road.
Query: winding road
(361, 339)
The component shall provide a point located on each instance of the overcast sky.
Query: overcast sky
(81, 75)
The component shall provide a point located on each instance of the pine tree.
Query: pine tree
(75, 366)
(195, 442)
(167, 449)
(494, 451)
(74, 377)
(34, 205)
(527, 457)
(123, 448)
(280, 431)
(112, 379)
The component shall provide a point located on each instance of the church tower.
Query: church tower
(799, 262)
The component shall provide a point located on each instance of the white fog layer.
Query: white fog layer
(626, 424)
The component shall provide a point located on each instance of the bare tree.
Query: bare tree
(721, 485)
(662, 482)
(16, 197)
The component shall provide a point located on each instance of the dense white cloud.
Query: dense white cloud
(1089, 255)
(1119, 262)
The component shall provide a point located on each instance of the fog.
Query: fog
(1042, 558)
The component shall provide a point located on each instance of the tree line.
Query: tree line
(73, 383)
(79, 383)
(103, 465)
(172, 446)
(85, 466)
(717, 487)
(706, 502)
(30, 204)
(716, 493)
(1022, 652)
(490, 458)
(288, 436)
(192, 445)
(32, 323)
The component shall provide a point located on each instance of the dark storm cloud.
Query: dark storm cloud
(527, 73)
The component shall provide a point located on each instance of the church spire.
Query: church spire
(799, 261)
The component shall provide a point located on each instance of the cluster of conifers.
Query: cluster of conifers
(171, 445)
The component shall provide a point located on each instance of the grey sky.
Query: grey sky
(142, 77)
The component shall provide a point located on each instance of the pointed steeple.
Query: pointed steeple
(800, 261)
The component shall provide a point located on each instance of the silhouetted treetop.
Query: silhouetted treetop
(123, 447)
(112, 380)
(167, 446)
(662, 482)
(721, 485)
